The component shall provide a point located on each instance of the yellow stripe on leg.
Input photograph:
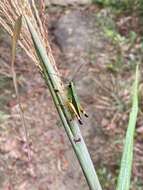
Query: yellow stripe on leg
(73, 110)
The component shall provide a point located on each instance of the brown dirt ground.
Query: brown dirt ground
(53, 164)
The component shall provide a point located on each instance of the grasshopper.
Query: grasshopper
(74, 103)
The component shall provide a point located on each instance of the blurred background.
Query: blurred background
(104, 39)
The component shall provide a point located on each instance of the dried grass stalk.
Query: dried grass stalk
(10, 10)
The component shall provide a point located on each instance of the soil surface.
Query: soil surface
(84, 54)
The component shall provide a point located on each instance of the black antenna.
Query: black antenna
(77, 70)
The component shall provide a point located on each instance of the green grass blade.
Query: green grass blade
(127, 157)
(71, 126)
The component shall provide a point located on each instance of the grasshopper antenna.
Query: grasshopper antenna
(77, 69)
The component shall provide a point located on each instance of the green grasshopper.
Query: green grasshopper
(74, 103)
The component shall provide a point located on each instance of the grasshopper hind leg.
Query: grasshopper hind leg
(85, 114)
(80, 122)
(74, 112)
(82, 111)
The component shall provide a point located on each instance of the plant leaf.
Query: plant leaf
(127, 157)
(16, 36)
(71, 127)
